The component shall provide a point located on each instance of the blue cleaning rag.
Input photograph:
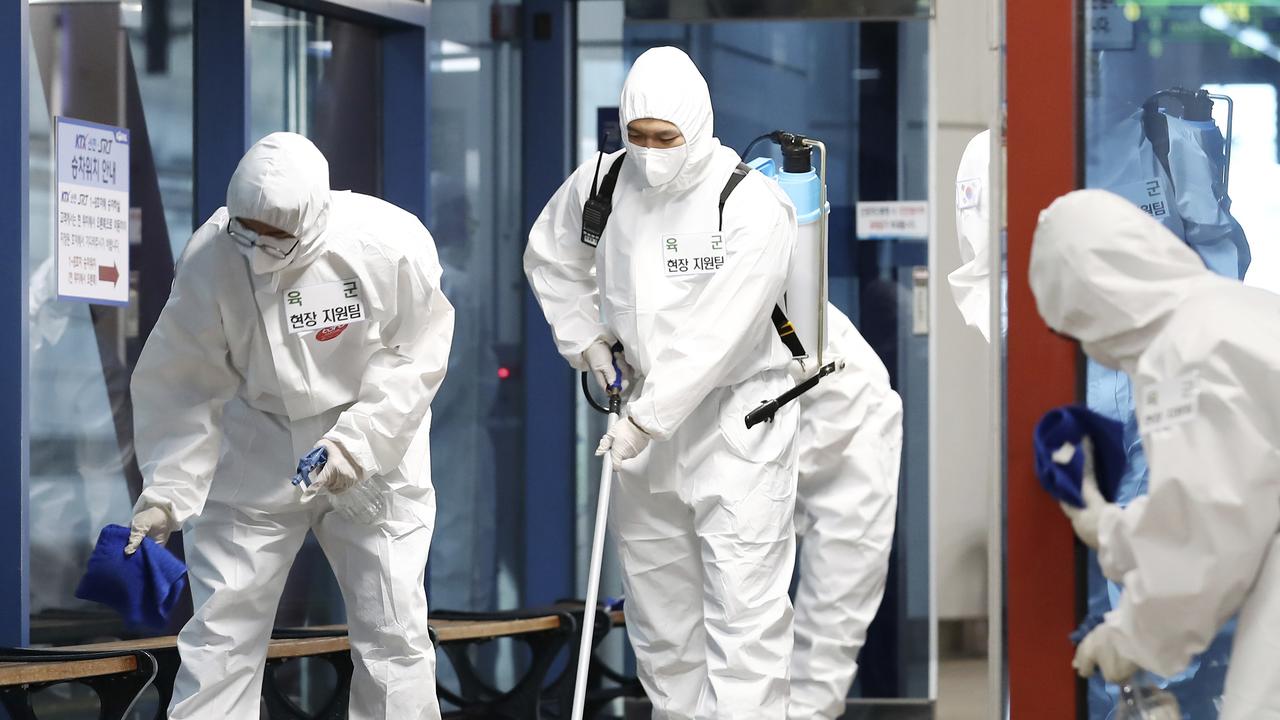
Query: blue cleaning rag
(311, 462)
(142, 587)
(1070, 424)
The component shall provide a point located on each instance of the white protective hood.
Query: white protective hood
(283, 181)
(971, 282)
(664, 84)
(1109, 275)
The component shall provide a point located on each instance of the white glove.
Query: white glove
(339, 473)
(1086, 520)
(1098, 651)
(624, 441)
(601, 358)
(153, 522)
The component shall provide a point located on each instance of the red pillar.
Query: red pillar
(1043, 157)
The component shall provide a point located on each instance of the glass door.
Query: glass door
(1180, 119)
(125, 66)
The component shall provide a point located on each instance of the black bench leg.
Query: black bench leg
(336, 707)
(523, 702)
(562, 688)
(525, 699)
(280, 707)
(118, 695)
(17, 702)
(471, 689)
(167, 662)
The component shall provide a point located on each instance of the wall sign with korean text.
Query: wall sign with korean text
(895, 220)
(92, 212)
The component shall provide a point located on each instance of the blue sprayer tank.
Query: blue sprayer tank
(806, 287)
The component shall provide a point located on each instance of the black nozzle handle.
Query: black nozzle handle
(769, 408)
(764, 413)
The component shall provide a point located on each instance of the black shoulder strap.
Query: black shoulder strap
(595, 216)
(735, 179)
(595, 213)
(786, 331)
(1155, 126)
(611, 178)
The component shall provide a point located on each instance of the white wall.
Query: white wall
(966, 93)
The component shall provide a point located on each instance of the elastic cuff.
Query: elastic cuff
(147, 503)
(638, 426)
(1113, 551)
(642, 415)
(362, 462)
(574, 355)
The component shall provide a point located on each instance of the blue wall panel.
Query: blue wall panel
(406, 120)
(14, 49)
(221, 98)
(549, 388)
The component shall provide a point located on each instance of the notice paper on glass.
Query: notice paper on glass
(92, 212)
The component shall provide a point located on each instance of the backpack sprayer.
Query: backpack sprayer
(806, 293)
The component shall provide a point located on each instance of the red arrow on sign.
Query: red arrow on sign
(109, 274)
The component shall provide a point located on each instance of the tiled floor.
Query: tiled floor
(962, 695)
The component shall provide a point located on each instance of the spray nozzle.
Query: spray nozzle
(785, 138)
(797, 156)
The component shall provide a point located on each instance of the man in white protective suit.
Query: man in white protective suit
(1204, 355)
(850, 450)
(702, 505)
(299, 318)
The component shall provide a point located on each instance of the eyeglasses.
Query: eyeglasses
(250, 239)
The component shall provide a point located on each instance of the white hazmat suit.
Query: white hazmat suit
(703, 515)
(850, 450)
(1204, 355)
(226, 400)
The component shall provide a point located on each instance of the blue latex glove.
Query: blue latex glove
(1061, 468)
(143, 587)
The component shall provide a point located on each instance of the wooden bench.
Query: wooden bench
(117, 668)
(327, 644)
(544, 631)
(117, 677)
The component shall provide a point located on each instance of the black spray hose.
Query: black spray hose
(615, 388)
(747, 153)
(586, 392)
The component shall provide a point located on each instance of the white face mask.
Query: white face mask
(659, 166)
(264, 264)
